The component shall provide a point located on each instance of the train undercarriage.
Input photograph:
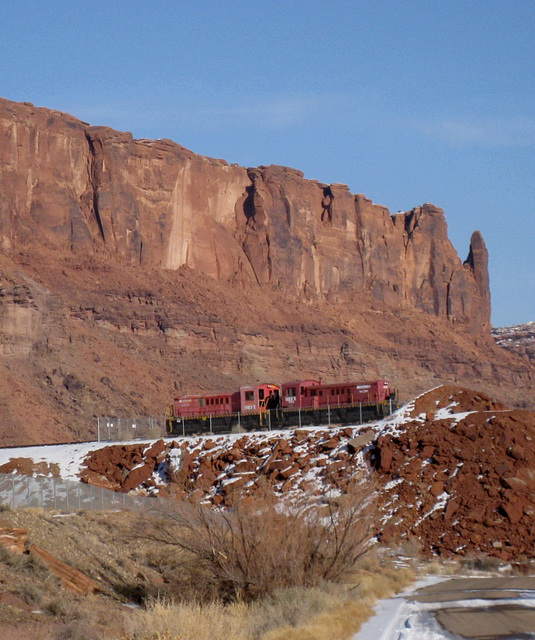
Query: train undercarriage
(280, 419)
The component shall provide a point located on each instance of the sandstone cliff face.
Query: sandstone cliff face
(95, 191)
(134, 270)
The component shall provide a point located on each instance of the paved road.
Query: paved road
(469, 608)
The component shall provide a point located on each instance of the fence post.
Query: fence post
(98, 429)
(360, 412)
(183, 428)
(328, 414)
(299, 417)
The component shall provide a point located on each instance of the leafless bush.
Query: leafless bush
(480, 562)
(255, 547)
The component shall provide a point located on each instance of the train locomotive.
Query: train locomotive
(271, 406)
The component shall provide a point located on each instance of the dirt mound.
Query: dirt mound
(125, 468)
(454, 397)
(460, 480)
(304, 462)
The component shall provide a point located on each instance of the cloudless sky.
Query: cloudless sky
(405, 101)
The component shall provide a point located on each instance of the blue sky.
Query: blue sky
(405, 101)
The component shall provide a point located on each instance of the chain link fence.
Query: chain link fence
(125, 429)
(64, 495)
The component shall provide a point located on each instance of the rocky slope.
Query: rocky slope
(518, 339)
(133, 269)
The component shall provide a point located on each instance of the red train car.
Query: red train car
(261, 397)
(195, 406)
(303, 402)
(293, 393)
(306, 394)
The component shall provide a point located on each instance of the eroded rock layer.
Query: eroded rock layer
(93, 191)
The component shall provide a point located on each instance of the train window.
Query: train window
(226, 400)
(261, 394)
(249, 396)
(313, 393)
(290, 391)
(201, 402)
(321, 392)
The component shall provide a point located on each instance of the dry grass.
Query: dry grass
(330, 611)
(188, 621)
(194, 601)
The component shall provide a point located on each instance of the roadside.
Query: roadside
(444, 609)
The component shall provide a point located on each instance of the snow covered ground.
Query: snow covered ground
(68, 457)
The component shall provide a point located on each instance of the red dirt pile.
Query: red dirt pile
(295, 464)
(460, 475)
(123, 468)
(307, 461)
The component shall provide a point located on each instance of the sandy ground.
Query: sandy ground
(471, 608)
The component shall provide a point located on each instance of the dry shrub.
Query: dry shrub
(341, 623)
(254, 548)
(187, 621)
(348, 612)
(384, 583)
(292, 607)
(480, 562)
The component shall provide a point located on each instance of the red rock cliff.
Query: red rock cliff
(95, 191)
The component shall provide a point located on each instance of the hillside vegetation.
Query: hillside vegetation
(177, 590)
